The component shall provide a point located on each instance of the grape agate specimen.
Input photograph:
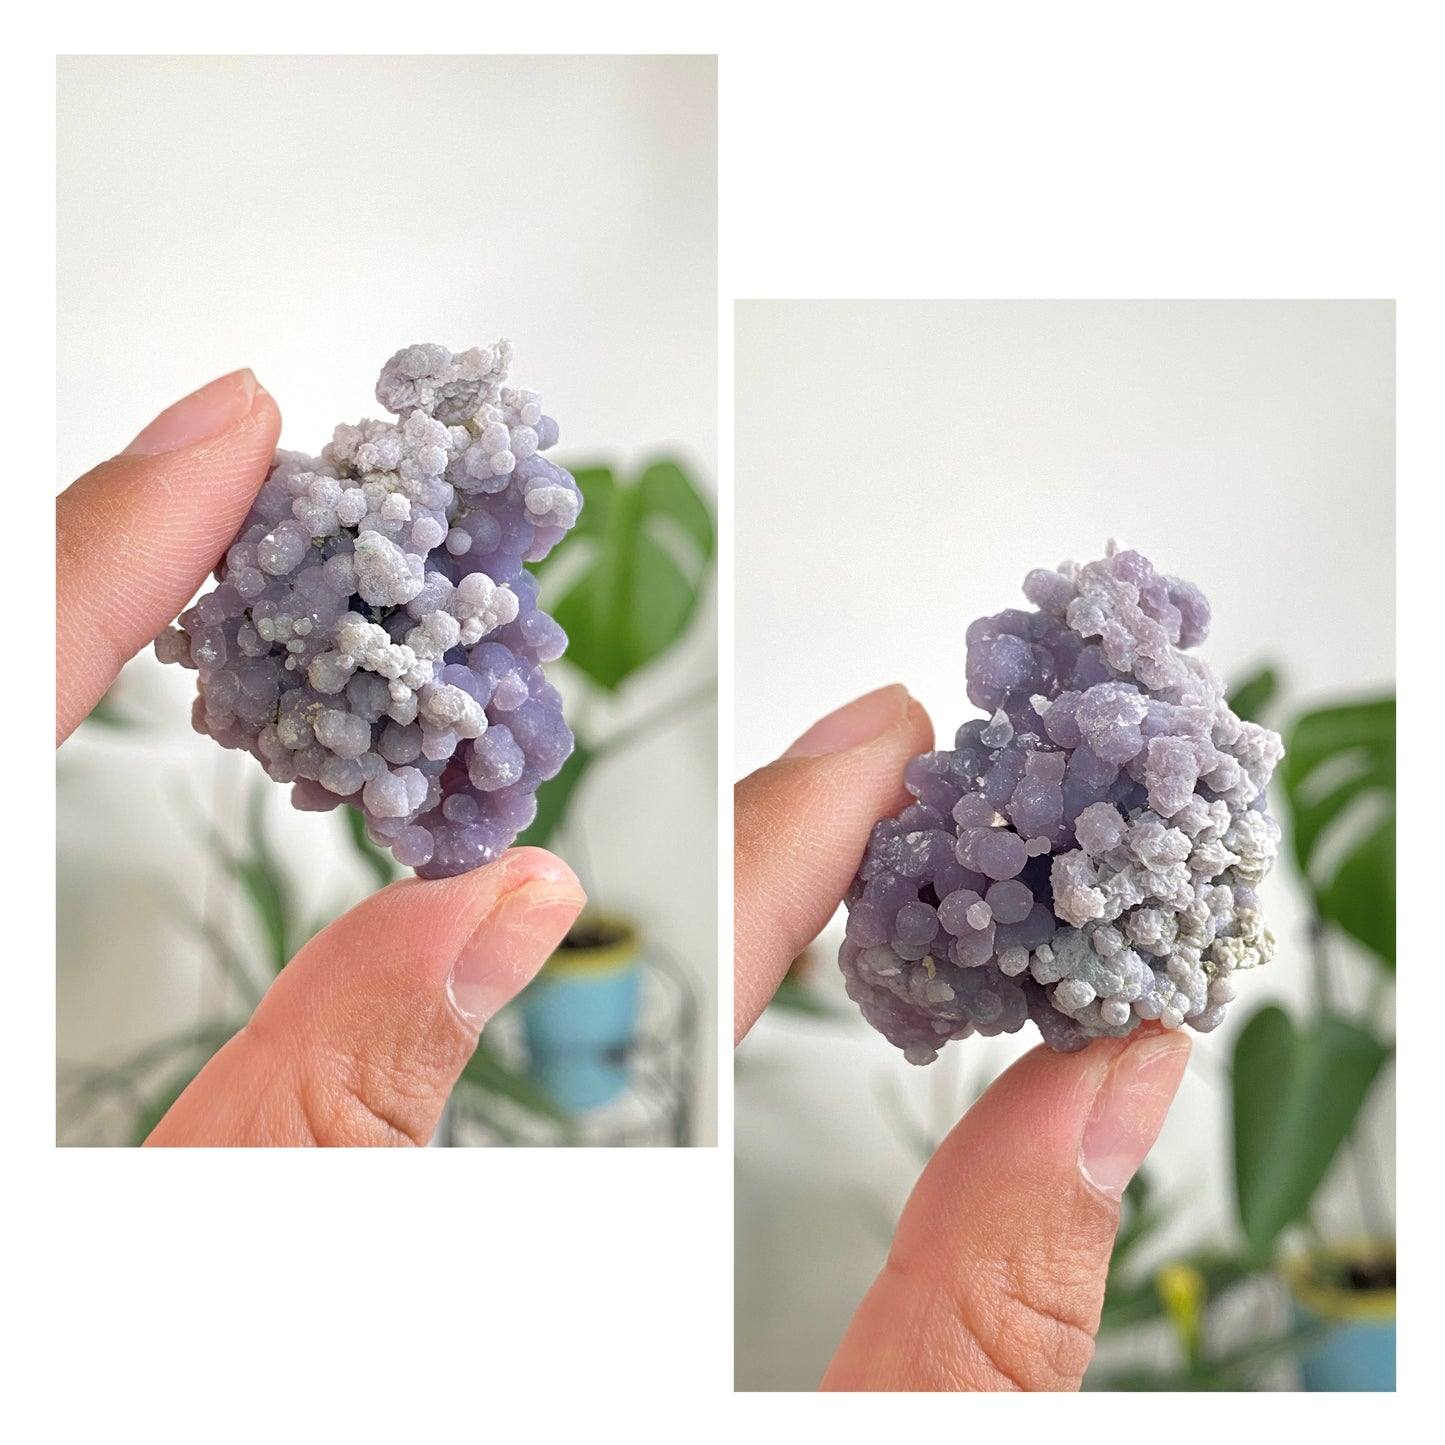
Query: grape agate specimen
(1087, 855)
(375, 638)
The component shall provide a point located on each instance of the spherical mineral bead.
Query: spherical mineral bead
(868, 925)
(413, 847)
(495, 760)
(460, 808)
(953, 911)
(385, 797)
(345, 734)
(280, 552)
(974, 811)
(341, 776)
(974, 948)
(1013, 961)
(1009, 901)
(1073, 994)
(1115, 1012)
(1000, 854)
(917, 923)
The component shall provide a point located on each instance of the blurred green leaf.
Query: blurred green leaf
(1361, 895)
(160, 1102)
(1140, 1218)
(1325, 733)
(107, 715)
(1337, 761)
(265, 882)
(599, 492)
(268, 900)
(489, 1071)
(262, 880)
(632, 600)
(478, 1105)
(384, 868)
(1129, 1302)
(667, 491)
(1296, 1097)
(1143, 1380)
(890, 1100)
(554, 798)
(223, 952)
(793, 996)
(1254, 694)
(1238, 1370)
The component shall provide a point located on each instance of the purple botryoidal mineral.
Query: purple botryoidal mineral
(1087, 856)
(375, 638)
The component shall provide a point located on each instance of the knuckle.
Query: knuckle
(1058, 1342)
(1029, 1319)
(391, 1095)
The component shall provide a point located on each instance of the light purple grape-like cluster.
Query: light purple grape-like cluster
(1088, 855)
(375, 638)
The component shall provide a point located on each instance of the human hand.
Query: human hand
(361, 1038)
(996, 1276)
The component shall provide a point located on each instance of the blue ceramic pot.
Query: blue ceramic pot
(580, 1016)
(1358, 1353)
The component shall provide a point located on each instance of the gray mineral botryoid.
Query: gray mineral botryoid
(1085, 856)
(374, 637)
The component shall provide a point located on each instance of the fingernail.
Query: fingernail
(511, 944)
(1129, 1110)
(860, 721)
(217, 405)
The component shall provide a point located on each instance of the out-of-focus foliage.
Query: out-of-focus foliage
(1338, 777)
(1251, 698)
(1297, 1094)
(648, 545)
(646, 550)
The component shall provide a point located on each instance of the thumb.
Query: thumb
(996, 1276)
(363, 1035)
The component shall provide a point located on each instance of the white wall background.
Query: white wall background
(900, 467)
(306, 218)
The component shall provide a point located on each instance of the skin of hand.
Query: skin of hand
(996, 1276)
(361, 1038)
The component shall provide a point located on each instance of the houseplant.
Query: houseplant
(1338, 780)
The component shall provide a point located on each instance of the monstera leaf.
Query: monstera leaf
(1250, 698)
(1297, 1093)
(646, 546)
(1339, 782)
